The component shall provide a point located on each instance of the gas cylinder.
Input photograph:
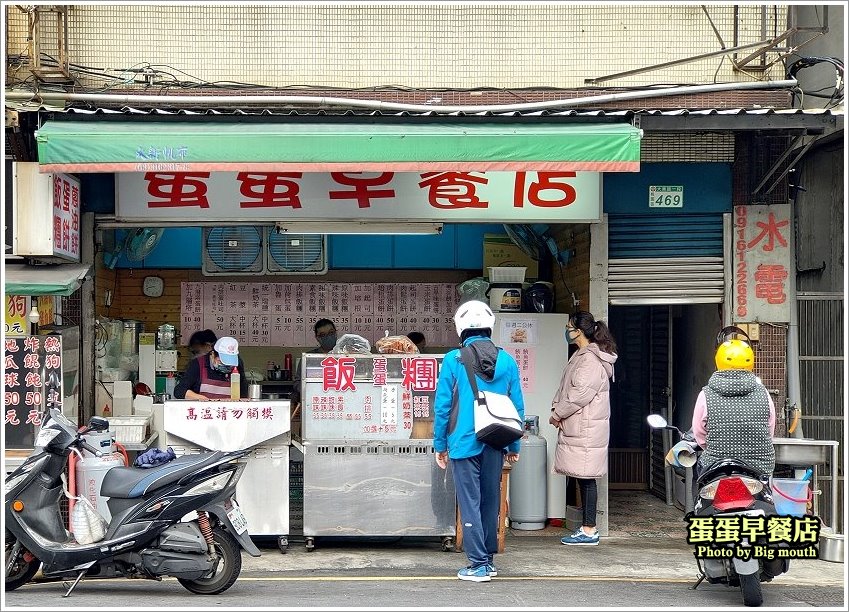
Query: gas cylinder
(90, 470)
(528, 477)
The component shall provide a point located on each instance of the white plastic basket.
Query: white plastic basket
(507, 274)
(131, 429)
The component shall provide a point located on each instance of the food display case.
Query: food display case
(263, 426)
(369, 465)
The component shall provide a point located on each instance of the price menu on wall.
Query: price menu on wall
(283, 314)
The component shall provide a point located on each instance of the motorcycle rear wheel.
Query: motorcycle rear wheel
(750, 585)
(23, 571)
(228, 569)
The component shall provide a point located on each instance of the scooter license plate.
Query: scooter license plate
(237, 518)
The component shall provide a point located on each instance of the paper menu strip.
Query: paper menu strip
(282, 314)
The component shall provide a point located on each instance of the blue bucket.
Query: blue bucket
(791, 496)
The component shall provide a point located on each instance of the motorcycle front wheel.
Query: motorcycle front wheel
(22, 570)
(226, 571)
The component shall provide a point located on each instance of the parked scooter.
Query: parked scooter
(731, 488)
(145, 538)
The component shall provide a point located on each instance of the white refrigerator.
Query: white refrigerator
(538, 343)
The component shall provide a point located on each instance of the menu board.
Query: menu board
(381, 397)
(32, 382)
(283, 314)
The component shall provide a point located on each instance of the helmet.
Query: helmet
(473, 315)
(735, 355)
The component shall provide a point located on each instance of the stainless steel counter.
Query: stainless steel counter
(803, 453)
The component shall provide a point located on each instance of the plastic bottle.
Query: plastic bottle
(235, 384)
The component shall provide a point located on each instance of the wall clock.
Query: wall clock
(153, 286)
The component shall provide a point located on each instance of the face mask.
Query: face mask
(327, 342)
(222, 368)
(569, 338)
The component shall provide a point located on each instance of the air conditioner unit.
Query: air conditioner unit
(295, 254)
(235, 249)
(45, 215)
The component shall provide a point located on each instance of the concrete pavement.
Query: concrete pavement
(541, 555)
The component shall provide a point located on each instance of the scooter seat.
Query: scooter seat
(130, 482)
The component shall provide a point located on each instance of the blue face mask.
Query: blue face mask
(569, 338)
(222, 368)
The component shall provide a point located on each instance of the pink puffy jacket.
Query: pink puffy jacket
(583, 406)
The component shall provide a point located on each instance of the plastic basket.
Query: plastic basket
(507, 274)
(130, 429)
(791, 496)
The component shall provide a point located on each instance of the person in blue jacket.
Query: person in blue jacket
(476, 466)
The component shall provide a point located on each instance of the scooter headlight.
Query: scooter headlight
(45, 436)
(753, 485)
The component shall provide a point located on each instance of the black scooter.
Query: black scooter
(731, 488)
(145, 538)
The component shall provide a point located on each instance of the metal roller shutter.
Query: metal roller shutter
(675, 259)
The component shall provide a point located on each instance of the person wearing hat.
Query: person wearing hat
(208, 376)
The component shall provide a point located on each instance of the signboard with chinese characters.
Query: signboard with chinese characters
(372, 397)
(227, 425)
(762, 263)
(32, 383)
(66, 216)
(490, 197)
(15, 321)
(283, 314)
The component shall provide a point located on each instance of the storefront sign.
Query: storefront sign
(761, 263)
(15, 317)
(491, 197)
(66, 216)
(32, 382)
(45, 310)
(666, 196)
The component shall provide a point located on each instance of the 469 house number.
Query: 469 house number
(666, 196)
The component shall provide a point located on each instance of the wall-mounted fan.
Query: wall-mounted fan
(136, 244)
(141, 241)
(534, 240)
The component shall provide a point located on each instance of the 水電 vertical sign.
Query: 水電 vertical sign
(762, 271)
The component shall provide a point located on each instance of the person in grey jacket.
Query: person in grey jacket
(581, 412)
(476, 466)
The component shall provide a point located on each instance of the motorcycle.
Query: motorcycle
(178, 519)
(729, 488)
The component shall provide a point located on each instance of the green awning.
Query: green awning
(105, 146)
(57, 279)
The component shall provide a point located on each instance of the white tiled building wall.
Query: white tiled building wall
(418, 46)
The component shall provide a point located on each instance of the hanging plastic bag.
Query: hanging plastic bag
(87, 525)
(351, 343)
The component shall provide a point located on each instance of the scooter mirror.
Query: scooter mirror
(98, 424)
(656, 421)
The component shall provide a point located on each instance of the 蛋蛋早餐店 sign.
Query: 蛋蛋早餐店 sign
(492, 197)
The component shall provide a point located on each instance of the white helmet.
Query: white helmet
(473, 315)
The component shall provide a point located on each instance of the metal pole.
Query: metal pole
(794, 394)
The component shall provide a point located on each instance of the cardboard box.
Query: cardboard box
(499, 250)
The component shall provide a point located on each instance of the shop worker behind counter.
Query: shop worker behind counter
(325, 334)
(208, 376)
(202, 342)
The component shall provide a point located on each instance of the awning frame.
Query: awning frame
(52, 279)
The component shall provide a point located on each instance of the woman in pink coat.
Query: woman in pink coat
(581, 411)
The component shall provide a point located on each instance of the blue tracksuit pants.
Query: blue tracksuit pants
(478, 483)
